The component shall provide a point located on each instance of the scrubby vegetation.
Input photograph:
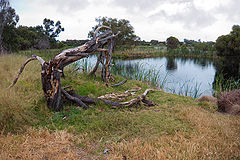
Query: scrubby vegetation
(176, 127)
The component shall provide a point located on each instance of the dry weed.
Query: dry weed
(215, 136)
(42, 144)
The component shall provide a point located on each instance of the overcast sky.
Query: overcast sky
(151, 19)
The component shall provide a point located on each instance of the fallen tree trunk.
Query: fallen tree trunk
(52, 70)
(71, 95)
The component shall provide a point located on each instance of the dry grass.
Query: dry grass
(145, 133)
(216, 136)
(42, 144)
(16, 103)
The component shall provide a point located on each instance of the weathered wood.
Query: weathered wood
(120, 83)
(74, 99)
(140, 98)
(120, 95)
(96, 66)
(52, 70)
(34, 57)
(66, 57)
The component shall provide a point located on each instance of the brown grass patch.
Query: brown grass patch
(42, 144)
(216, 136)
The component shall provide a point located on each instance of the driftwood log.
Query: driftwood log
(81, 100)
(52, 70)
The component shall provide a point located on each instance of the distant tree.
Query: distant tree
(8, 21)
(27, 37)
(126, 35)
(14, 38)
(229, 45)
(50, 29)
(154, 42)
(172, 42)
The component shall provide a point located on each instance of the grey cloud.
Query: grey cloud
(67, 6)
(191, 17)
(231, 10)
(144, 5)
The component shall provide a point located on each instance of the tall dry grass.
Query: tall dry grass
(17, 104)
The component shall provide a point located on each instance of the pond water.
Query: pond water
(183, 76)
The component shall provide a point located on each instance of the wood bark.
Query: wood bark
(90, 100)
(52, 70)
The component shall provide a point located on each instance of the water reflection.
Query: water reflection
(171, 64)
(203, 62)
(185, 76)
(227, 72)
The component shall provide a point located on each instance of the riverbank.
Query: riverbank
(176, 127)
(152, 54)
(127, 54)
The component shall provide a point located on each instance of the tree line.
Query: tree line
(13, 37)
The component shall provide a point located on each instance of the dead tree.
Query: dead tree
(52, 70)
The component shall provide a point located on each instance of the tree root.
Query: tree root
(120, 83)
(72, 96)
(120, 96)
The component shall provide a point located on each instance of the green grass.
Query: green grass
(45, 54)
(174, 126)
(222, 85)
(160, 51)
(28, 109)
(108, 124)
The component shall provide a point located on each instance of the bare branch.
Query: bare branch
(137, 99)
(109, 37)
(21, 70)
(98, 29)
(96, 66)
(101, 50)
(39, 59)
(120, 83)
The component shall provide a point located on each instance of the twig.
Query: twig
(120, 83)
(21, 70)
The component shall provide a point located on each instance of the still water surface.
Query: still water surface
(177, 75)
(184, 76)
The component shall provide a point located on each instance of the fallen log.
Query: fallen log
(90, 100)
(53, 69)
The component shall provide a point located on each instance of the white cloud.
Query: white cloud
(152, 19)
(67, 6)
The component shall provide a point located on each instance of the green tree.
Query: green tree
(126, 35)
(41, 36)
(50, 31)
(27, 37)
(229, 45)
(154, 42)
(8, 21)
(172, 42)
